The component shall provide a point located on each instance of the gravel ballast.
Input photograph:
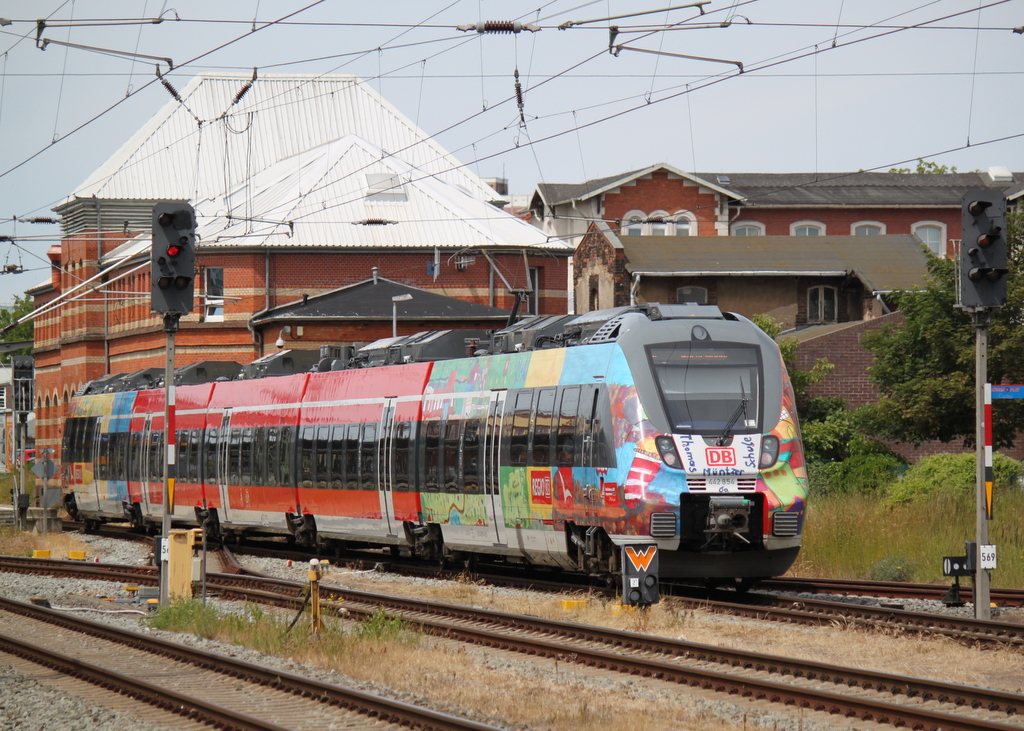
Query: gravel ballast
(27, 704)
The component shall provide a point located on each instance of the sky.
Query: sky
(825, 86)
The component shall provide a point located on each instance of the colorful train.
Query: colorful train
(553, 442)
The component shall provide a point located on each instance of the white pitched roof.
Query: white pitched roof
(305, 150)
(319, 198)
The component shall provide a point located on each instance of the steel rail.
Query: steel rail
(431, 617)
(367, 703)
(155, 695)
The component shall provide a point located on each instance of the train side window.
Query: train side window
(368, 457)
(69, 442)
(272, 439)
(286, 463)
(259, 455)
(195, 440)
(306, 457)
(403, 452)
(245, 456)
(337, 477)
(135, 456)
(323, 442)
(519, 439)
(432, 456)
(181, 458)
(212, 440)
(234, 456)
(117, 455)
(541, 452)
(471, 446)
(451, 455)
(567, 427)
(352, 457)
(603, 436)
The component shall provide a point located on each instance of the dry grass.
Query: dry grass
(556, 694)
(20, 543)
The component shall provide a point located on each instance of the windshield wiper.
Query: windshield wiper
(740, 410)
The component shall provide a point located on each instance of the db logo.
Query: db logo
(720, 457)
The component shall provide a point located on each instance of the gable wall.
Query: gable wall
(662, 191)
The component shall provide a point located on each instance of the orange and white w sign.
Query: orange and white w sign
(641, 556)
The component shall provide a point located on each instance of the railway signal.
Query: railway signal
(173, 259)
(982, 261)
(640, 575)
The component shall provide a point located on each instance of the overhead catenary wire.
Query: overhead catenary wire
(576, 128)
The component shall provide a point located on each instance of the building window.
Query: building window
(685, 223)
(634, 223)
(385, 187)
(658, 227)
(807, 228)
(821, 304)
(692, 295)
(213, 283)
(747, 228)
(867, 228)
(932, 235)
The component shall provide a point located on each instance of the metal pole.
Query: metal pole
(170, 444)
(982, 608)
(394, 319)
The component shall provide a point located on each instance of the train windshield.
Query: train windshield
(712, 389)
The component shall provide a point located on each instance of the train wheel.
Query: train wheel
(742, 586)
(92, 526)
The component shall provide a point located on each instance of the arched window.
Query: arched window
(696, 295)
(633, 223)
(867, 228)
(685, 223)
(821, 304)
(807, 228)
(748, 228)
(933, 235)
(659, 224)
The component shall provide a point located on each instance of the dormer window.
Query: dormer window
(821, 304)
(385, 187)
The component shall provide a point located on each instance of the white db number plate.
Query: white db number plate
(987, 556)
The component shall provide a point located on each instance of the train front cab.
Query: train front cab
(718, 460)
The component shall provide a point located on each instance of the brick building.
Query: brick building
(301, 186)
(661, 200)
(797, 280)
(819, 252)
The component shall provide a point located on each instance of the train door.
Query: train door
(223, 470)
(491, 467)
(386, 464)
(590, 488)
(144, 467)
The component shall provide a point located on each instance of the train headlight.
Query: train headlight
(667, 450)
(769, 451)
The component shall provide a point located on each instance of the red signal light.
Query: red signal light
(174, 250)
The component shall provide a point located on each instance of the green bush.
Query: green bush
(870, 468)
(892, 568)
(955, 473)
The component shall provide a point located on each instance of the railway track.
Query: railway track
(816, 687)
(890, 589)
(190, 688)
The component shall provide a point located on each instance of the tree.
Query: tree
(924, 367)
(824, 422)
(22, 306)
(925, 166)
